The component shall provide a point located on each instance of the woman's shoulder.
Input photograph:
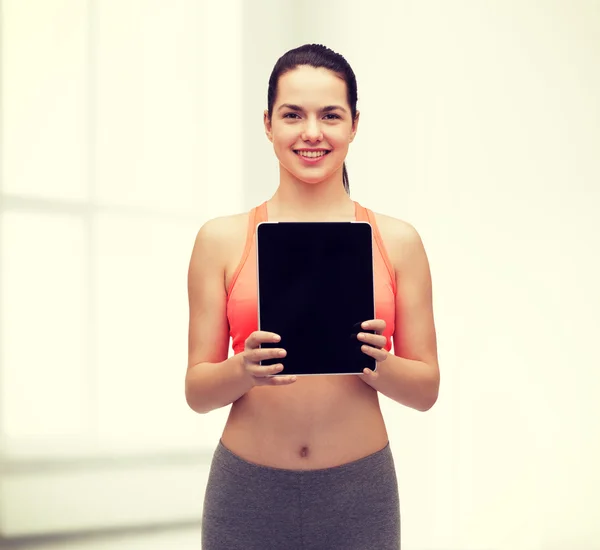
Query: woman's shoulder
(394, 228)
(224, 226)
(220, 231)
(400, 237)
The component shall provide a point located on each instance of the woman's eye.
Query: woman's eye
(329, 116)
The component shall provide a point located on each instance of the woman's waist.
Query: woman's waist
(311, 401)
(309, 424)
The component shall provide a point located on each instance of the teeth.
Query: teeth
(311, 154)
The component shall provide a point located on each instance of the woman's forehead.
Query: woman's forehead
(311, 85)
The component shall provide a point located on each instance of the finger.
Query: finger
(281, 380)
(376, 340)
(379, 355)
(259, 371)
(260, 337)
(272, 380)
(369, 376)
(262, 354)
(378, 325)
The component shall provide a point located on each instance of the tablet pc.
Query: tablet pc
(315, 288)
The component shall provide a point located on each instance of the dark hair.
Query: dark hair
(317, 56)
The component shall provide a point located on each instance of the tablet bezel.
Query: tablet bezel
(373, 362)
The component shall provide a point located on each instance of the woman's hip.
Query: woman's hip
(353, 506)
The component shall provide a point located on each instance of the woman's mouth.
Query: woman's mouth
(312, 156)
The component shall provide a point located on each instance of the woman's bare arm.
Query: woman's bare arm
(212, 380)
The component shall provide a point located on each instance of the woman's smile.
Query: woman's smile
(310, 156)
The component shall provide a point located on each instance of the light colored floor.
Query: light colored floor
(183, 538)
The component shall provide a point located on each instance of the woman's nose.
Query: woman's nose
(312, 131)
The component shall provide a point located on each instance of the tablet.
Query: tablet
(315, 289)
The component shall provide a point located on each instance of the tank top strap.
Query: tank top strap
(365, 215)
(261, 214)
(254, 217)
(360, 213)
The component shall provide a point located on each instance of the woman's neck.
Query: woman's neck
(300, 201)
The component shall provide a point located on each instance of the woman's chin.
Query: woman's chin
(312, 179)
(311, 176)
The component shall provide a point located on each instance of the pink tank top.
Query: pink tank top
(242, 298)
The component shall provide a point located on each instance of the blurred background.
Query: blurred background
(126, 124)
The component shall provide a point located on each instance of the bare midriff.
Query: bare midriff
(317, 422)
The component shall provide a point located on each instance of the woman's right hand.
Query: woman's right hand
(253, 354)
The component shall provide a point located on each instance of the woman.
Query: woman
(330, 481)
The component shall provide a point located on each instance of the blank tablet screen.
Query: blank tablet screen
(315, 288)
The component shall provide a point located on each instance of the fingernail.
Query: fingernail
(365, 325)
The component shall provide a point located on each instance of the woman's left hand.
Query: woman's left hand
(375, 348)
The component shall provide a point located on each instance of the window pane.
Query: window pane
(44, 98)
(141, 301)
(169, 125)
(44, 309)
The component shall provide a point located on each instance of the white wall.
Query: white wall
(118, 120)
(480, 125)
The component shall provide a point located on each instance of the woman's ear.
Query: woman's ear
(267, 123)
(354, 126)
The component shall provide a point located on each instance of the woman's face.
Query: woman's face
(311, 125)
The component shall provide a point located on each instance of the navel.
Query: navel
(304, 451)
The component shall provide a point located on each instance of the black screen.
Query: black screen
(315, 289)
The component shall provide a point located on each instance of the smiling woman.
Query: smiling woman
(330, 480)
(320, 93)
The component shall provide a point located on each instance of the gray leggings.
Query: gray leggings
(252, 507)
